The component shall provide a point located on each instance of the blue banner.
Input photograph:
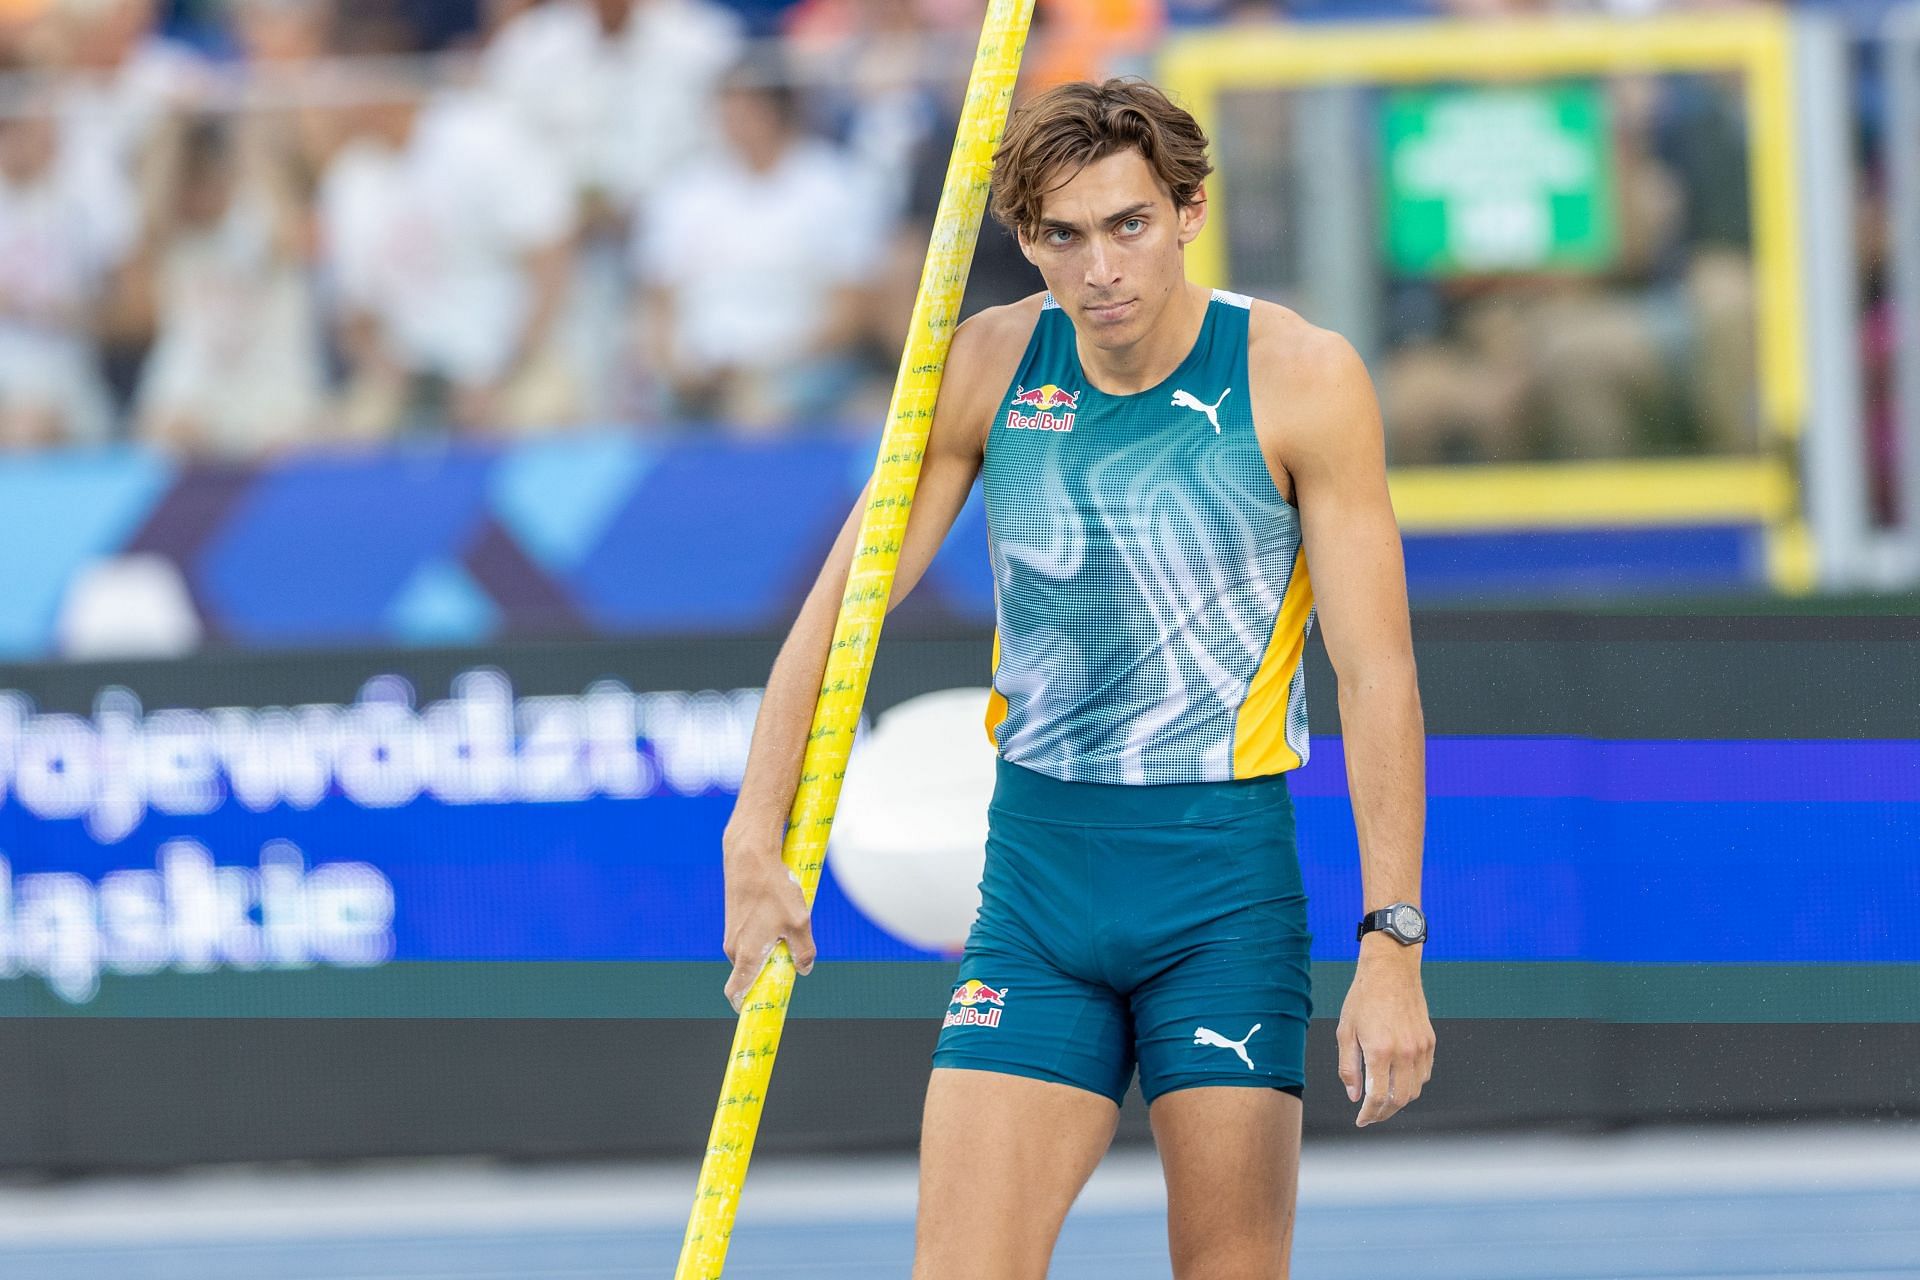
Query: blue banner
(582, 535)
(492, 826)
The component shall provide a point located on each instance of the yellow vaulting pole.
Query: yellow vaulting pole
(856, 633)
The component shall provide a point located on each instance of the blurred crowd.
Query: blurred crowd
(585, 211)
(355, 219)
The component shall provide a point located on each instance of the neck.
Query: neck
(1126, 370)
(763, 159)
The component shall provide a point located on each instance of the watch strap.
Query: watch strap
(1381, 921)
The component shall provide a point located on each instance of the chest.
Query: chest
(1107, 479)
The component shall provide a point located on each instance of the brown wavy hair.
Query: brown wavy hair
(1056, 135)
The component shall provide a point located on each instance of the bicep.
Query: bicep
(956, 444)
(978, 365)
(948, 469)
(1351, 537)
(945, 480)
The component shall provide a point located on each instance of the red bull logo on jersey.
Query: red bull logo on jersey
(972, 997)
(1045, 401)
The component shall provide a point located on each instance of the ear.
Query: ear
(1026, 245)
(1193, 217)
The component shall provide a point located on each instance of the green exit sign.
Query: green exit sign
(1498, 179)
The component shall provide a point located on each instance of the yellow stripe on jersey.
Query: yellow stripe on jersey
(1260, 730)
(996, 701)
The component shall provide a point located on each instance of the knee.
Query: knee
(1252, 1256)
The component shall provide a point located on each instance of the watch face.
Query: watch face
(1408, 922)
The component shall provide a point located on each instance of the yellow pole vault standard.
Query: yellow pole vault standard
(863, 608)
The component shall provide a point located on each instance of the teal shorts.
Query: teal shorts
(1159, 926)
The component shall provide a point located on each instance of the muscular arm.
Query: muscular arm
(762, 904)
(1360, 589)
(786, 713)
(1328, 437)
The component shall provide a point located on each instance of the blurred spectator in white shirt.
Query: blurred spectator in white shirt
(879, 71)
(758, 262)
(125, 76)
(447, 230)
(236, 369)
(63, 233)
(120, 78)
(286, 88)
(622, 91)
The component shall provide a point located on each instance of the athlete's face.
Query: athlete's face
(1111, 247)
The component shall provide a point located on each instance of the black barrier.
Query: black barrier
(93, 1095)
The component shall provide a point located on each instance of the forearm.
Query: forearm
(780, 730)
(947, 473)
(786, 709)
(1385, 739)
(548, 269)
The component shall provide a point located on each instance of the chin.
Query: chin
(1122, 333)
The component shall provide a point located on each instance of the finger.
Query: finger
(800, 942)
(1375, 1081)
(746, 971)
(1399, 1086)
(1409, 1079)
(1349, 1060)
(1380, 1088)
(799, 935)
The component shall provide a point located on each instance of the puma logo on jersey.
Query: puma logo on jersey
(1187, 400)
(1208, 1036)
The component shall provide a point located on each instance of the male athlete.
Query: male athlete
(1162, 464)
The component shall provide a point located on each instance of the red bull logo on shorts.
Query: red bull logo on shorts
(973, 996)
(1044, 401)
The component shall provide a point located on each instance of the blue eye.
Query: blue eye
(1132, 226)
(1058, 236)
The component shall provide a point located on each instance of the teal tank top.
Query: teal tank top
(1151, 593)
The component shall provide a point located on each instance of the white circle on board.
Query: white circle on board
(909, 839)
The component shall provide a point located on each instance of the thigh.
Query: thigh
(1030, 1002)
(1001, 1159)
(1232, 1160)
(1232, 1011)
(1224, 994)
(1016, 1013)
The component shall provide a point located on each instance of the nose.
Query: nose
(1102, 270)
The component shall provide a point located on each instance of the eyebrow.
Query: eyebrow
(1131, 211)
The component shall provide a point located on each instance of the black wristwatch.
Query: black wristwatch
(1405, 923)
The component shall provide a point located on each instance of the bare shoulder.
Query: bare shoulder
(1296, 357)
(984, 357)
(1312, 396)
(994, 339)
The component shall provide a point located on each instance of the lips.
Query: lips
(1108, 312)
